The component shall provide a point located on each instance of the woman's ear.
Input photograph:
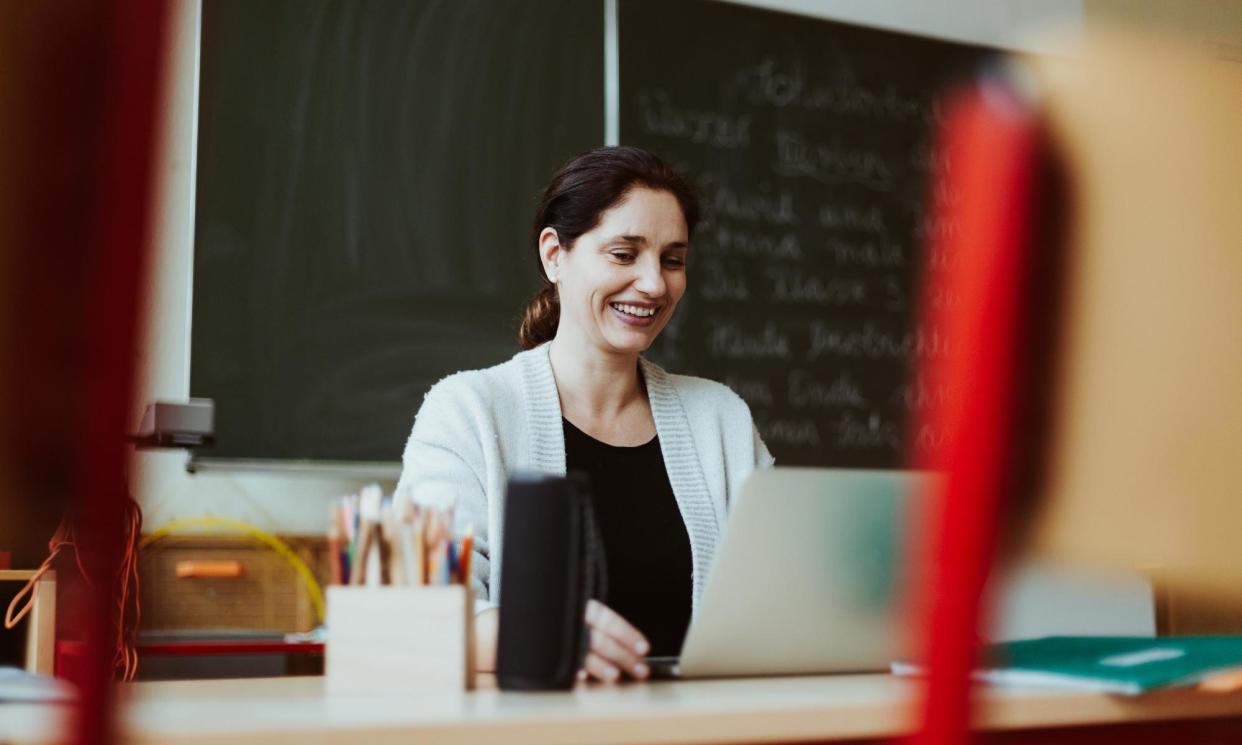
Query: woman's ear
(550, 252)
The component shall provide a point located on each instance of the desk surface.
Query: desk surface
(749, 710)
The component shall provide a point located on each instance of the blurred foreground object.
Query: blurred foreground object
(79, 84)
(1092, 256)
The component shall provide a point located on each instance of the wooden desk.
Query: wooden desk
(853, 707)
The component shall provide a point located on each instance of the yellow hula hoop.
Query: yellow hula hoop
(269, 540)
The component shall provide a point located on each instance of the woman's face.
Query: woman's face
(621, 281)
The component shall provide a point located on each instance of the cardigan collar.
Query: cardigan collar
(542, 408)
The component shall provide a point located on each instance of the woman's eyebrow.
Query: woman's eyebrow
(642, 241)
(628, 239)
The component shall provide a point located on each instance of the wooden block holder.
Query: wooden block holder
(399, 640)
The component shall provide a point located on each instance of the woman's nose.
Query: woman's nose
(650, 279)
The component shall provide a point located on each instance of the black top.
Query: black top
(645, 539)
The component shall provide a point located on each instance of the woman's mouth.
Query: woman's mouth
(635, 315)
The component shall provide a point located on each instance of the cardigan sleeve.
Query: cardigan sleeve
(445, 453)
(763, 458)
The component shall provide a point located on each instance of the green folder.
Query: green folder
(1126, 665)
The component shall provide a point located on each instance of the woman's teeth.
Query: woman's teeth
(634, 310)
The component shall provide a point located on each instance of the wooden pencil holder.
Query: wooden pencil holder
(399, 640)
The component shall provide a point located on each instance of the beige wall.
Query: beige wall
(1215, 22)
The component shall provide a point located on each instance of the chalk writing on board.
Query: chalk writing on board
(760, 204)
(867, 432)
(730, 340)
(661, 116)
(919, 394)
(812, 146)
(868, 219)
(869, 254)
(807, 390)
(830, 162)
(932, 232)
(792, 285)
(779, 84)
(869, 341)
(803, 431)
(718, 283)
(727, 239)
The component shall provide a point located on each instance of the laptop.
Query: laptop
(808, 577)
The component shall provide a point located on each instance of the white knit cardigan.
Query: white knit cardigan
(475, 428)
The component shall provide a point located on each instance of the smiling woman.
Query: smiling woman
(623, 200)
(664, 453)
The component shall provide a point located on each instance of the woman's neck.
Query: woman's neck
(594, 384)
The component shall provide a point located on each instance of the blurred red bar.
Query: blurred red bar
(134, 37)
(81, 83)
(987, 193)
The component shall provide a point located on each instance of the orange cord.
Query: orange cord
(126, 650)
(126, 657)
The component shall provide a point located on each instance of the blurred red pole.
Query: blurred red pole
(81, 84)
(135, 41)
(982, 272)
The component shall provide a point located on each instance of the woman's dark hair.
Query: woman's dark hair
(579, 194)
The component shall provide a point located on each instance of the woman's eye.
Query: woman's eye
(675, 262)
(623, 256)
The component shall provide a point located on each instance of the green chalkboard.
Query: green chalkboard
(366, 174)
(367, 171)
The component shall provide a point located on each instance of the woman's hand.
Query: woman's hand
(616, 646)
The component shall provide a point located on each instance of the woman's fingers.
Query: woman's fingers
(612, 651)
(600, 669)
(614, 643)
(608, 621)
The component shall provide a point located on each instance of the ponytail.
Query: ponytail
(543, 313)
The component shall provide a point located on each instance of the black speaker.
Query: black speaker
(552, 563)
